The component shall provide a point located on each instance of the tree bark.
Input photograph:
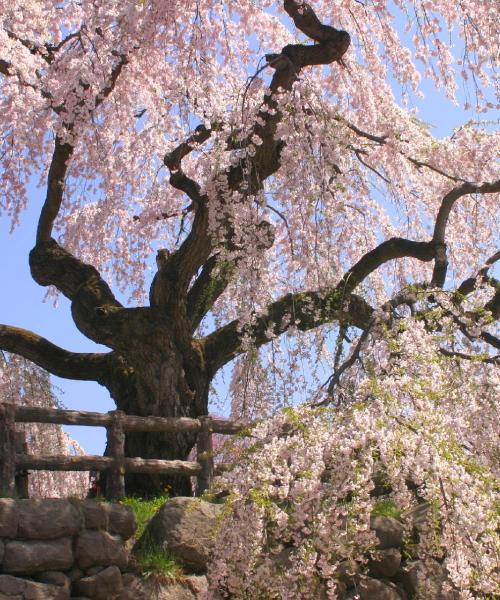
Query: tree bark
(170, 383)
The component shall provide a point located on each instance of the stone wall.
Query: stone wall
(185, 528)
(393, 574)
(56, 549)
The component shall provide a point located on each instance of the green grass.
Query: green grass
(385, 507)
(151, 560)
(144, 510)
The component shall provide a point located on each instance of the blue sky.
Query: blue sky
(22, 301)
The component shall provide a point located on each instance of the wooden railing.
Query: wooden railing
(13, 457)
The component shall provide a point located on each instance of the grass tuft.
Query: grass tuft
(153, 562)
(385, 507)
(150, 560)
(144, 510)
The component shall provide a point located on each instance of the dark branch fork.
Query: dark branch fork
(176, 274)
(439, 235)
(307, 310)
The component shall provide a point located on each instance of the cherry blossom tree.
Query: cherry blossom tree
(25, 384)
(259, 150)
(417, 439)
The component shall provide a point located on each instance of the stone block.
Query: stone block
(121, 520)
(22, 556)
(185, 527)
(8, 518)
(135, 588)
(425, 579)
(348, 573)
(94, 570)
(74, 574)
(14, 588)
(389, 531)
(105, 585)
(198, 584)
(418, 516)
(94, 515)
(100, 548)
(55, 578)
(373, 589)
(386, 564)
(47, 519)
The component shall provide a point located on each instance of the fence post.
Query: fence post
(205, 455)
(7, 450)
(115, 477)
(21, 476)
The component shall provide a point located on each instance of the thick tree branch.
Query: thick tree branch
(45, 51)
(52, 358)
(90, 295)
(5, 67)
(60, 162)
(306, 20)
(494, 304)
(304, 310)
(217, 272)
(439, 235)
(50, 263)
(208, 286)
(490, 339)
(331, 44)
(173, 159)
(308, 310)
(55, 189)
(176, 270)
(471, 357)
(386, 251)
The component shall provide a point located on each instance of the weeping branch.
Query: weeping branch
(250, 173)
(308, 310)
(52, 358)
(303, 310)
(439, 235)
(381, 140)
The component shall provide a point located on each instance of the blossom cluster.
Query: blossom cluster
(301, 492)
(23, 383)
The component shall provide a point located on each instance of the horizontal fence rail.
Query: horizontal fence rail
(32, 414)
(15, 460)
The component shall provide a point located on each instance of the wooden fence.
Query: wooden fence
(14, 460)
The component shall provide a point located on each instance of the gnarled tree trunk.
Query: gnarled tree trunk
(162, 384)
